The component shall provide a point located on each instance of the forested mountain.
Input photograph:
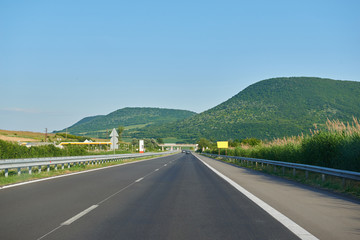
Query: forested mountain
(130, 118)
(270, 108)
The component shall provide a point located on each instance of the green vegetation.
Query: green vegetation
(151, 145)
(9, 150)
(268, 109)
(132, 119)
(70, 137)
(337, 146)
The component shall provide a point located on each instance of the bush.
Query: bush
(9, 150)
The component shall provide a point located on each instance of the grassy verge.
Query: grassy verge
(25, 176)
(332, 183)
(337, 146)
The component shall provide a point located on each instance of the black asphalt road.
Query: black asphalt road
(174, 197)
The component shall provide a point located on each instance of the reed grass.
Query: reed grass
(337, 145)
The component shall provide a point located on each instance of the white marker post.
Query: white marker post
(141, 146)
(114, 140)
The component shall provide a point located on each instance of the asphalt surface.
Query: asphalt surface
(174, 197)
(326, 215)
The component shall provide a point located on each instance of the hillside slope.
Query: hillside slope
(130, 118)
(270, 108)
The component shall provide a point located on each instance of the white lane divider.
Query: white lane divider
(139, 179)
(284, 220)
(86, 211)
(76, 217)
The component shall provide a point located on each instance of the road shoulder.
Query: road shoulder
(325, 215)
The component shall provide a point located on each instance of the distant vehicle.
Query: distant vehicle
(187, 152)
(183, 151)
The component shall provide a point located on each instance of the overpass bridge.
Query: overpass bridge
(178, 146)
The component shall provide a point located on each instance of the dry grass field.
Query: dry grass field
(22, 136)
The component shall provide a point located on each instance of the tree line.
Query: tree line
(9, 150)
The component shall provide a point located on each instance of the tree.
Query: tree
(204, 143)
(160, 140)
(120, 131)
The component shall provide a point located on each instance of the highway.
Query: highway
(173, 197)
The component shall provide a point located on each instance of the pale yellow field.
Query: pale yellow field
(17, 139)
(22, 136)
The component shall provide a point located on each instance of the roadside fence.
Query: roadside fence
(30, 163)
(294, 166)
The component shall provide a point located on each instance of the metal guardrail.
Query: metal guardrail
(6, 164)
(307, 168)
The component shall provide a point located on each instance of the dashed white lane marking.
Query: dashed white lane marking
(76, 217)
(287, 222)
(75, 173)
(139, 179)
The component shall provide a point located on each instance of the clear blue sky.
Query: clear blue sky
(64, 60)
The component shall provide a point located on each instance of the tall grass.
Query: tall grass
(335, 146)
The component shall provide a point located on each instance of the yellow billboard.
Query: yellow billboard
(222, 144)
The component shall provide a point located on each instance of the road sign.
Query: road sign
(223, 144)
(114, 133)
(114, 140)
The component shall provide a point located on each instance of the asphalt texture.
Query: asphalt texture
(325, 214)
(173, 197)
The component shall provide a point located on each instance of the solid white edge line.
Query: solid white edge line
(71, 174)
(287, 222)
(76, 217)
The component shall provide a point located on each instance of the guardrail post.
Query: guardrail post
(62, 166)
(294, 172)
(306, 174)
(274, 169)
(323, 177)
(283, 170)
(19, 171)
(55, 167)
(39, 169)
(48, 168)
(6, 172)
(30, 170)
(262, 165)
(69, 165)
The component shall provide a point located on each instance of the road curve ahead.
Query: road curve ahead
(174, 197)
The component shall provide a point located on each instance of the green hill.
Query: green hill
(130, 118)
(270, 108)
